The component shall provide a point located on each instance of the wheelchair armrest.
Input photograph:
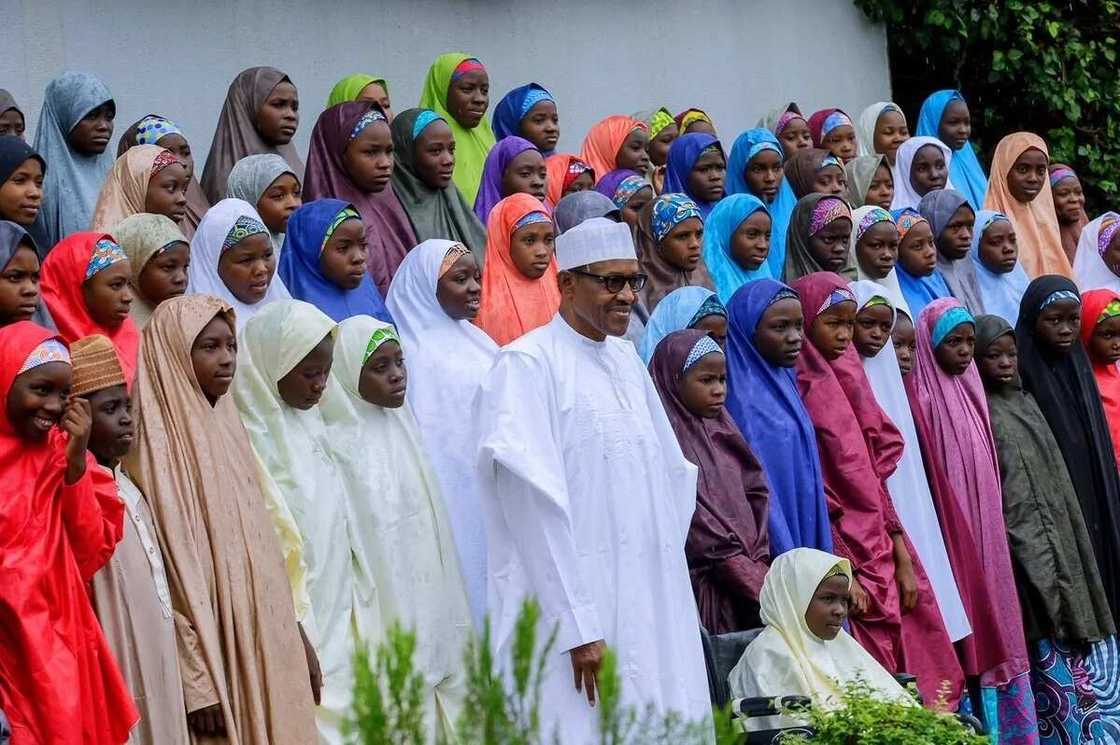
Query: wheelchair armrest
(766, 706)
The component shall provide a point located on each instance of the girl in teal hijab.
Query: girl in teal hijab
(756, 159)
(725, 256)
(945, 115)
(458, 89)
(684, 308)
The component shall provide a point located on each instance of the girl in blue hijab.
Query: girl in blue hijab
(684, 308)
(1001, 289)
(753, 160)
(727, 270)
(945, 115)
(701, 154)
(763, 342)
(528, 111)
(323, 261)
(916, 235)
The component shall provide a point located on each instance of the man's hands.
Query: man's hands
(586, 661)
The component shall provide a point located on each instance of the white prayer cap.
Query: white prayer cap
(594, 240)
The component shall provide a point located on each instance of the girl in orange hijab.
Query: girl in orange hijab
(616, 142)
(1100, 333)
(1019, 187)
(519, 290)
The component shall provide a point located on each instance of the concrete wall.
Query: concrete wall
(734, 58)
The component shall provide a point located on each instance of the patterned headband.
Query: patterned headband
(785, 119)
(469, 65)
(627, 188)
(830, 160)
(344, 214)
(828, 210)
(669, 210)
(712, 306)
(693, 116)
(837, 296)
(151, 129)
(534, 97)
(906, 222)
(875, 300)
(453, 254)
(106, 252)
(704, 346)
(51, 350)
(874, 216)
(832, 121)
(531, 218)
(1110, 311)
(785, 293)
(1059, 295)
(243, 227)
(760, 147)
(1109, 225)
(952, 318)
(164, 159)
(379, 337)
(368, 118)
(423, 119)
(1060, 173)
(659, 121)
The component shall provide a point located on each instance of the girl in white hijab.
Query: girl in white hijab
(398, 520)
(804, 649)
(1090, 268)
(905, 195)
(869, 121)
(232, 257)
(449, 358)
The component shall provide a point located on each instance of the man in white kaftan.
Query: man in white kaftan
(588, 499)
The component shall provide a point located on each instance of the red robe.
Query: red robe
(59, 683)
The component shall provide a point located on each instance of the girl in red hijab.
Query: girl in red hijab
(87, 286)
(1100, 333)
(61, 520)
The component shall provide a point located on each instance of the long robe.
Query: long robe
(133, 605)
(58, 681)
(588, 500)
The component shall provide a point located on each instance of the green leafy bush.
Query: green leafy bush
(1045, 66)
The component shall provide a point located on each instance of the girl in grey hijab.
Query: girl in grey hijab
(583, 205)
(953, 238)
(250, 178)
(13, 239)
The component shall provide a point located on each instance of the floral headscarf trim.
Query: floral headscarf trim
(832, 121)
(876, 215)
(669, 210)
(379, 337)
(837, 296)
(704, 346)
(243, 227)
(453, 254)
(469, 65)
(1060, 174)
(51, 350)
(106, 252)
(828, 210)
(164, 159)
(627, 188)
(763, 146)
(785, 119)
(906, 220)
(368, 118)
(532, 218)
(1109, 225)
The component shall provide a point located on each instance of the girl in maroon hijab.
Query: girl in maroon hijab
(728, 548)
(896, 617)
(351, 159)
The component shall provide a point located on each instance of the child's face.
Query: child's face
(37, 399)
(916, 252)
(246, 268)
(1000, 362)
(113, 427)
(530, 249)
(214, 358)
(282, 197)
(703, 388)
(829, 246)
(303, 385)
(541, 125)
(1104, 344)
(108, 294)
(459, 290)
(881, 191)
(796, 136)
(955, 352)
(165, 274)
(873, 328)
(681, 247)
(830, 180)
(831, 331)
(750, 243)
(1069, 199)
(928, 170)
(841, 142)
(706, 178)
(905, 343)
(167, 192)
(658, 148)
(343, 258)
(525, 174)
(1028, 175)
(384, 378)
(877, 249)
(1059, 324)
(368, 158)
(278, 116)
(19, 286)
(828, 609)
(633, 153)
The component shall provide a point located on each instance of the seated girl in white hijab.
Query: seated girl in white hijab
(804, 649)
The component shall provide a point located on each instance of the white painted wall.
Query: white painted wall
(734, 58)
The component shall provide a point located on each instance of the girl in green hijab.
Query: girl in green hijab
(362, 87)
(458, 89)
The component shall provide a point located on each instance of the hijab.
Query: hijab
(683, 154)
(389, 233)
(13, 236)
(724, 219)
(868, 120)
(859, 172)
(351, 86)
(605, 139)
(819, 119)
(938, 207)
(250, 178)
(682, 308)
(515, 106)
(1096, 307)
(471, 145)
(1089, 268)
(905, 196)
(621, 184)
(951, 415)
(64, 272)
(964, 169)
(776, 120)
(763, 400)
(1000, 292)
(917, 291)
(908, 485)
(801, 169)
(300, 265)
(434, 213)
(125, 190)
(1066, 391)
(14, 152)
(1070, 232)
(656, 220)
(143, 237)
(513, 304)
(727, 548)
(207, 247)
(573, 209)
(404, 543)
(563, 169)
(743, 151)
(790, 658)
(71, 184)
(813, 212)
(8, 103)
(862, 220)
(154, 128)
(1036, 222)
(498, 160)
(237, 135)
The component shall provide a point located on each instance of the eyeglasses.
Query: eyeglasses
(615, 282)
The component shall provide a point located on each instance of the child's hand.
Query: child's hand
(77, 421)
(860, 601)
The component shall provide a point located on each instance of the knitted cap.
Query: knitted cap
(96, 365)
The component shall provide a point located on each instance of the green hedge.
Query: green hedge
(1047, 67)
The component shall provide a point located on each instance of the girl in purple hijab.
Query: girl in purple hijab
(697, 167)
(513, 166)
(351, 159)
